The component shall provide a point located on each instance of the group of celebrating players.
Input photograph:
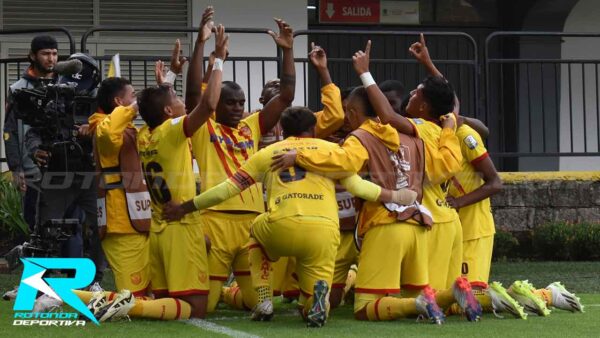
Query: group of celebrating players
(379, 192)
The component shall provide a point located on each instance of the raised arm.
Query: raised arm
(380, 104)
(193, 88)
(331, 118)
(443, 160)
(208, 102)
(420, 52)
(270, 114)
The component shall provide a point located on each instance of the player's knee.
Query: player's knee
(361, 314)
(335, 297)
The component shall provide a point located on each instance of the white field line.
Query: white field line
(212, 327)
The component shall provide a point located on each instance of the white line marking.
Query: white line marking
(212, 327)
(229, 318)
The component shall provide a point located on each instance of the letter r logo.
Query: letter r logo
(33, 281)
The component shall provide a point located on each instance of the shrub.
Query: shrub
(11, 217)
(586, 241)
(553, 241)
(505, 245)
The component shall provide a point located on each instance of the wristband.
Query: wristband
(218, 64)
(170, 77)
(367, 79)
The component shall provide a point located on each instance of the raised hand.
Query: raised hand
(177, 61)
(285, 38)
(206, 25)
(221, 42)
(159, 72)
(449, 121)
(419, 50)
(360, 60)
(317, 56)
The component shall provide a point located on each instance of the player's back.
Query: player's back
(167, 166)
(295, 191)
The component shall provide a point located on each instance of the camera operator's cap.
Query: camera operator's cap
(43, 42)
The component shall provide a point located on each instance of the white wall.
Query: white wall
(256, 14)
(583, 18)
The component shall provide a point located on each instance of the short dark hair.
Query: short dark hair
(109, 88)
(346, 92)
(439, 94)
(231, 85)
(152, 102)
(361, 93)
(392, 86)
(43, 42)
(297, 120)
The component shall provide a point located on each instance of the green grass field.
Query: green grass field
(580, 277)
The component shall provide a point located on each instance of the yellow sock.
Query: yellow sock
(86, 296)
(232, 296)
(445, 298)
(163, 309)
(484, 300)
(545, 295)
(260, 266)
(350, 279)
(389, 308)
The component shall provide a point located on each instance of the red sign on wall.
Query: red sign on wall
(349, 11)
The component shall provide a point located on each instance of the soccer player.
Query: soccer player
(178, 262)
(301, 222)
(220, 147)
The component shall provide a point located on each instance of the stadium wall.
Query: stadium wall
(530, 199)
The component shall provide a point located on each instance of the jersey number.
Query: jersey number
(159, 190)
(286, 175)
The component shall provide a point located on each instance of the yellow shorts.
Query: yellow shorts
(347, 254)
(285, 279)
(228, 234)
(129, 258)
(445, 254)
(477, 260)
(391, 256)
(313, 241)
(178, 262)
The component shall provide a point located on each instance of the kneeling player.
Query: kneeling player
(302, 220)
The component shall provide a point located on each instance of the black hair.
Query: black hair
(392, 86)
(439, 94)
(297, 120)
(43, 42)
(108, 90)
(346, 92)
(231, 85)
(361, 93)
(404, 103)
(152, 102)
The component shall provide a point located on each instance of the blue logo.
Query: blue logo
(33, 281)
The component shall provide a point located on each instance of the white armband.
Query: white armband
(218, 64)
(170, 77)
(367, 79)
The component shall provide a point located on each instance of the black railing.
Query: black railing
(535, 107)
(540, 107)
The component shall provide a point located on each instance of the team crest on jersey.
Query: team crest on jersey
(245, 131)
(470, 141)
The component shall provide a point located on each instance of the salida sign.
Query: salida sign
(349, 11)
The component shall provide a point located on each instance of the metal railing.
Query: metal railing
(541, 107)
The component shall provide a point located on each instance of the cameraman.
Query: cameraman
(43, 57)
(62, 149)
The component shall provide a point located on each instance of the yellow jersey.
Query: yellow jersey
(220, 151)
(350, 158)
(435, 188)
(477, 220)
(167, 166)
(294, 191)
(108, 129)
